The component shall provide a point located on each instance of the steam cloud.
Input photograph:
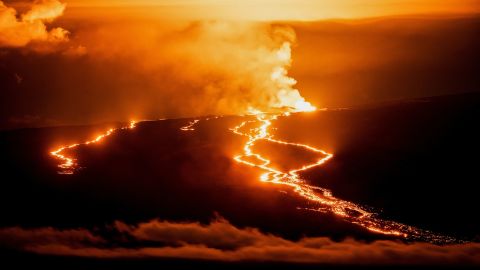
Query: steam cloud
(31, 27)
(158, 69)
(222, 241)
(206, 67)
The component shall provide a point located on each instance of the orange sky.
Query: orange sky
(287, 9)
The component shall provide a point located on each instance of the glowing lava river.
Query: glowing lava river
(69, 164)
(257, 129)
(323, 198)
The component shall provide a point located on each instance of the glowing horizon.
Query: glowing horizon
(265, 10)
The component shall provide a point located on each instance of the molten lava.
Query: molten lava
(69, 164)
(322, 197)
(190, 125)
(287, 99)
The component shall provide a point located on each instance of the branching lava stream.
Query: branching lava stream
(323, 198)
(286, 98)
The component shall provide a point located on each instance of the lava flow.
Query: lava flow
(190, 125)
(69, 164)
(323, 198)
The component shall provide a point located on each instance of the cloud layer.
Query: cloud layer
(31, 26)
(221, 241)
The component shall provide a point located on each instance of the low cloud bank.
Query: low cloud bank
(221, 241)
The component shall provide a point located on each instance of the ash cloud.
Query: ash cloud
(221, 241)
(31, 27)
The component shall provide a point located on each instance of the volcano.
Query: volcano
(408, 164)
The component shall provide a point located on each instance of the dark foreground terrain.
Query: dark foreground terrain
(415, 162)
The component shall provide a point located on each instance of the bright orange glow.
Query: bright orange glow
(280, 94)
(322, 197)
(190, 126)
(287, 96)
(288, 99)
(19, 30)
(46, 10)
(69, 164)
(269, 10)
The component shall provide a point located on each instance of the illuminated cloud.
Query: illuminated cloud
(30, 27)
(222, 241)
(18, 237)
(206, 67)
